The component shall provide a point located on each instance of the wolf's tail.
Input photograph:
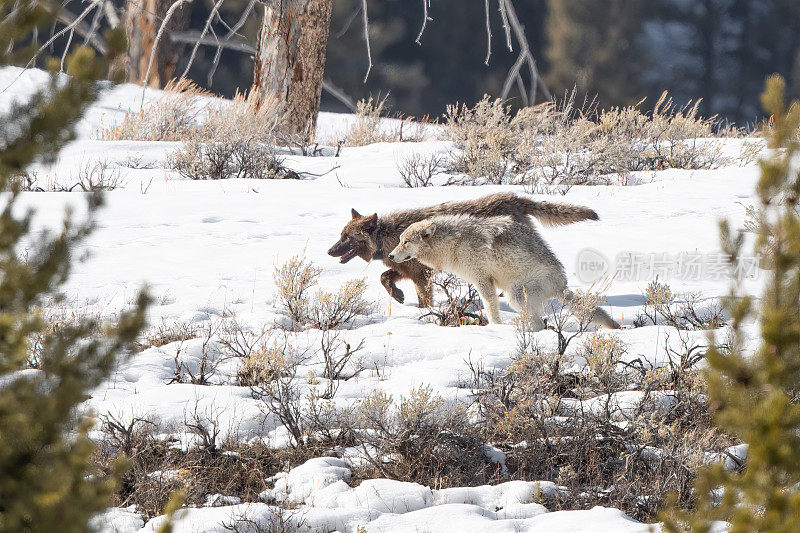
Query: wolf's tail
(598, 315)
(551, 214)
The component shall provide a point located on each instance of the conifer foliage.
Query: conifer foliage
(758, 395)
(45, 478)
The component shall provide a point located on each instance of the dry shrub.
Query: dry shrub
(92, 176)
(554, 146)
(157, 468)
(61, 319)
(172, 117)
(484, 136)
(691, 312)
(613, 432)
(422, 439)
(181, 114)
(569, 321)
(263, 365)
(370, 127)
(324, 310)
(224, 140)
(418, 170)
(367, 127)
(166, 333)
(235, 140)
(247, 116)
(461, 304)
(228, 159)
(329, 310)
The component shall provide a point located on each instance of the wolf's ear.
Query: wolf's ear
(428, 231)
(355, 213)
(371, 222)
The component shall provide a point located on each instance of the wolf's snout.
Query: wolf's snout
(391, 257)
(336, 250)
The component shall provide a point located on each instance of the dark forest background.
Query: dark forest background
(617, 50)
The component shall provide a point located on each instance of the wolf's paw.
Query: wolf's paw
(398, 295)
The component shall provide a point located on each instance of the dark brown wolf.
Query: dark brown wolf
(371, 237)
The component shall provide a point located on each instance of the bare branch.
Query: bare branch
(203, 34)
(511, 21)
(365, 18)
(70, 26)
(339, 94)
(66, 50)
(504, 17)
(488, 33)
(171, 11)
(193, 37)
(348, 22)
(239, 23)
(425, 19)
(66, 17)
(93, 27)
(111, 14)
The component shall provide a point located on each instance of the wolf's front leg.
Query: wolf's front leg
(488, 295)
(388, 279)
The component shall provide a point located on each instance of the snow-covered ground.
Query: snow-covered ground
(205, 248)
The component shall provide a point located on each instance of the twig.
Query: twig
(519, 32)
(202, 34)
(348, 22)
(171, 11)
(425, 19)
(93, 27)
(232, 30)
(488, 33)
(66, 50)
(365, 18)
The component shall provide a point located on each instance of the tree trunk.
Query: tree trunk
(290, 60)
(142, 21)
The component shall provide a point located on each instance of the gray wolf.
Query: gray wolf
(491, 253)
(368, 237)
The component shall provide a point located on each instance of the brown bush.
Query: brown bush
(612, 432)
(554, 146)
(324, 310)
(461, 304)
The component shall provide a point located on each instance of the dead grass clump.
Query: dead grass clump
(371, 126)
(461, 304)
(172, 117)
(554, 146)
(324, 310)
(367, 127)
(247, 116)
(484, 136)
(262, 366)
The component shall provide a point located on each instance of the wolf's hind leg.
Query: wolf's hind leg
(488, 295)
(527, 298)
(424, 290)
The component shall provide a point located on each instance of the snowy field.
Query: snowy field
(207, 249)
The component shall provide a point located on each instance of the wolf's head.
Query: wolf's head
(413, 241)
(359, 238)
